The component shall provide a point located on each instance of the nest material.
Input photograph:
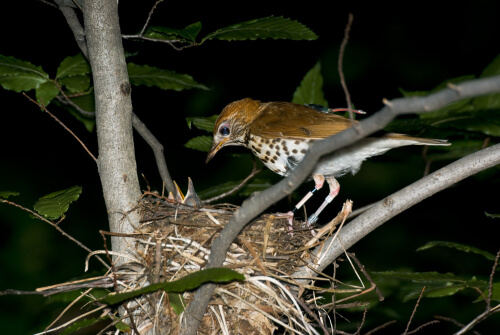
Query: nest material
(174, 242)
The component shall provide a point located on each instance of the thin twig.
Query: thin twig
(414, 311)
(382, 326)
(72, 321)
(419, 328)
(341, 61)
(53, 225)
(488, 311)
(310, 312)
(455, 322)
(367, 276)
(66, 100)
(115, 283)
(158, 151)
(236, 188)
(141, 36)
(490, 285)
(149, 16)
(62, 124)
(67, 308)
(358, 331)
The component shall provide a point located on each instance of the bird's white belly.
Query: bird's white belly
(283, 155)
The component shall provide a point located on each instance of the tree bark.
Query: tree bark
(116, 161)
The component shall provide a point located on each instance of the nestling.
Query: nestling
(280, 133)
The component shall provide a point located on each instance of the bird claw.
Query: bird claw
(289, 216)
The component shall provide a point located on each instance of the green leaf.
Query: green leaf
(164, 79)
(458, 246)
(76, 84)
(492, 69)
(54, 205)
(435, 292)
(203, 123)
(85, 101)
(187, 34)
(449, 111)
(439, 87)
(495, 295)
(88, 121)
(268, 27)
(310, 90)
(74, 74)
(177, 302)
(73, 66)
(257, 184)
(46, 92)
(7, 194)
(490, 101)
(494, 216)
(484, 121)
(186, 283)
(201, 143)
(123, 327)
(422, 276)
(18, 75)
(82, 324)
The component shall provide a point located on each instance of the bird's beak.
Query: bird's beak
(215, 147)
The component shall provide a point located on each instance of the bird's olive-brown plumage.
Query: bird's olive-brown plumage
(280, 133)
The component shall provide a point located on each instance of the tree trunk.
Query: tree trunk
(116, 162)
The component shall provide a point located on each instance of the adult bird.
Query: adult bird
(280, 133)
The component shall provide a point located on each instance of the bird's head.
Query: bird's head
(232, 124)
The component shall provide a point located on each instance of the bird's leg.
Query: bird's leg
(319, 180)
(334, 190)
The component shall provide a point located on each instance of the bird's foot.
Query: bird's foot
(334, 190)
(289, 216)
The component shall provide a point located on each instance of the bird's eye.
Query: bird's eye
(224, 130)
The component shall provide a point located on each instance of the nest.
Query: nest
(174, 241)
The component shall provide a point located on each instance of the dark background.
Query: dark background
(415, 48)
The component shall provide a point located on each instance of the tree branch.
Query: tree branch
(258, 203)
(157, 147)
(72, 20)
(79, 33)
(402, 200)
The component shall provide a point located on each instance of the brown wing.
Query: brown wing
(286, 119)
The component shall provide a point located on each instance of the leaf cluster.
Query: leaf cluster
(439, 285)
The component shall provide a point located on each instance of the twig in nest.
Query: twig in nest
(330, 227)
(115, 284)
(310, 312)
(365, 273)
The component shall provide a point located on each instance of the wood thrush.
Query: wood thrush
(280, 133)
